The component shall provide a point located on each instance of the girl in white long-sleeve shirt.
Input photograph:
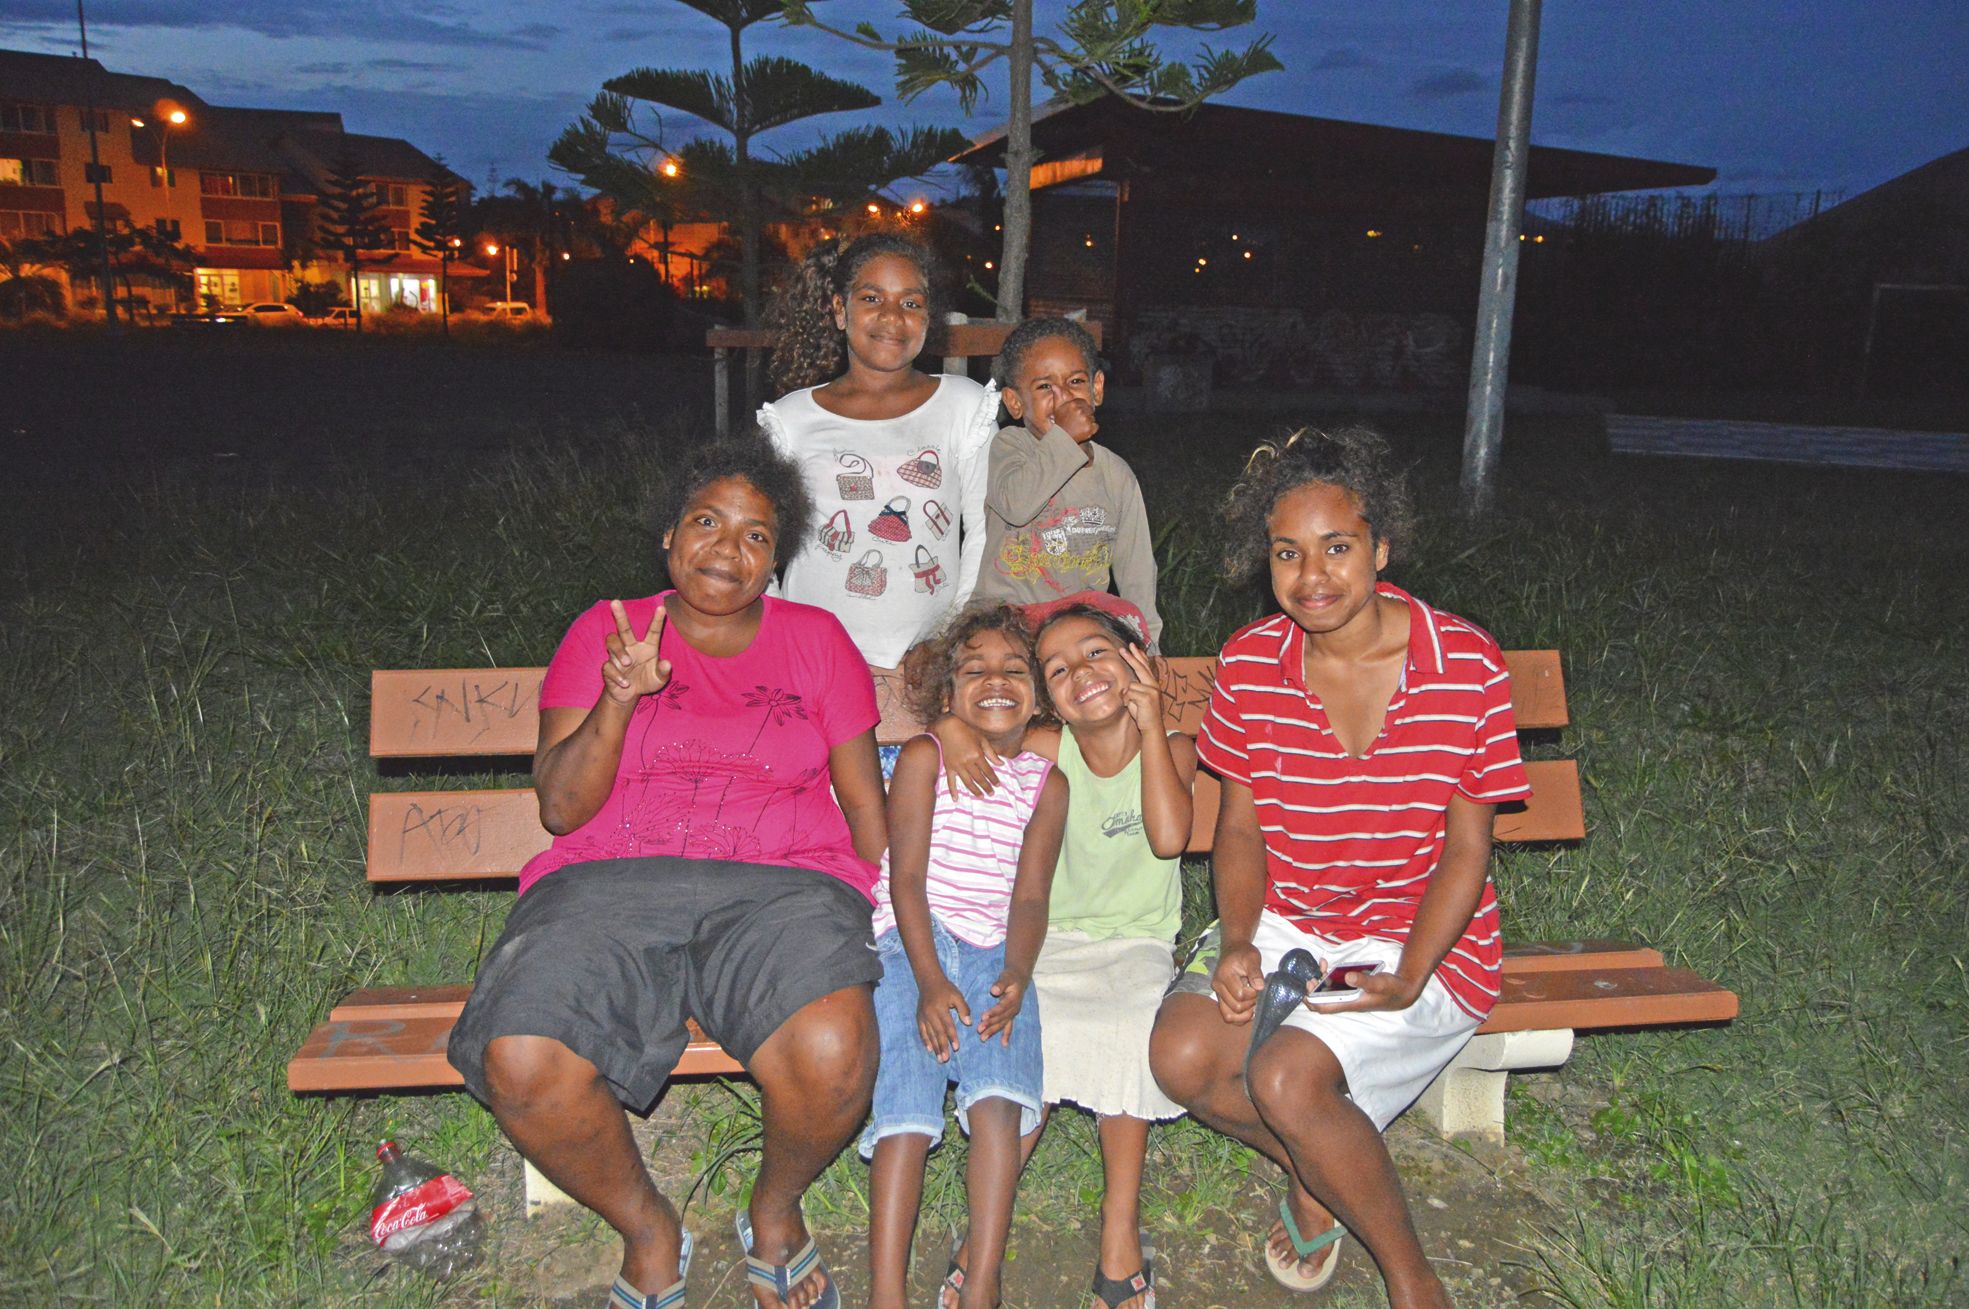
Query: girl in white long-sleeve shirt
(894, 458)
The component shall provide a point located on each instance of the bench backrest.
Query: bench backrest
(968, 340)
(492, 713)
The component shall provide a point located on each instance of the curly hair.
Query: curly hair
(752, 457)
(1021, 339)
(1355, 459)
(1112, 623)
(810, 348)
(930, 667)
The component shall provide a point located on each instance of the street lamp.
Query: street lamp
(512, 256)
(168, 115)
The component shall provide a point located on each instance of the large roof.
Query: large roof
(68, 80)
(1221, 152)
(1937, 191)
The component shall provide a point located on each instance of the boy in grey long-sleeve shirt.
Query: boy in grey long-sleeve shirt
(1062, 513)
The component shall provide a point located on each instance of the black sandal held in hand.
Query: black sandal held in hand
(1285, 990)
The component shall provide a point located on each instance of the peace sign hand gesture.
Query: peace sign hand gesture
(633, 668)
(1144, 694)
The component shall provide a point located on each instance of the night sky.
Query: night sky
(1778, 95)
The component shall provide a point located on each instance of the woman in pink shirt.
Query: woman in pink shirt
(707, 767)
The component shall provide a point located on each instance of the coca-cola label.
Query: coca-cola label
(424, 1203)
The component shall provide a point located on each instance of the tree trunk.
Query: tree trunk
(749, 223)
(1018, 171)
(539, 279)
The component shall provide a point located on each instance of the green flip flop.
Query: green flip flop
(1286, 1272)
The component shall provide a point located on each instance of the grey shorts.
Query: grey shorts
(609, 957)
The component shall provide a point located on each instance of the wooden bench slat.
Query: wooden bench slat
(393, 1037)
(472, 712)
(1601, 998)
(1571, 956)
(403, 1053)
(435, 836)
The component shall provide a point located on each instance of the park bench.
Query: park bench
(1788, 443)
(963, 341)
(392, 1038)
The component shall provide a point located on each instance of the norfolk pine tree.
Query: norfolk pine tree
(440, 231)
(350, 223)
(1102, 47)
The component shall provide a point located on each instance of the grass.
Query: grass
(1764, 667)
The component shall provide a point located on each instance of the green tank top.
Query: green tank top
(1109, 883)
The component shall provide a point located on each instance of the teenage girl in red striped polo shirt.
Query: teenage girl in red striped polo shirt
(1364, 741)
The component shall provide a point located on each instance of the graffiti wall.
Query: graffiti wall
(1332, 349)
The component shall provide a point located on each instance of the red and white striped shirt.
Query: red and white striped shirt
(974, 852)
(1350, 843)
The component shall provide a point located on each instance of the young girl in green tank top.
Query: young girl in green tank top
(1113, 919)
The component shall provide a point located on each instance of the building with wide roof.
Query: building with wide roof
(239, 186)
(1295, 248)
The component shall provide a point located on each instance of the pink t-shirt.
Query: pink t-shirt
(730, 760)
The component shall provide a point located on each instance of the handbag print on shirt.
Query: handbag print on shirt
(866, 577)
(925, 470)
(929, 572)
(858, 483)
(892, 524)
(837, 534)
(937, 517)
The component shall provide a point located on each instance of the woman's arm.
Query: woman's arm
(912, 801)
(857, 774)
(1237, 866)
(580, 750)
(1032, 890)
(1448, 903)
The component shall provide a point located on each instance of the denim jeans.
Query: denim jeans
(910, 1085)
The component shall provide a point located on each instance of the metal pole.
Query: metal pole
(96, 171)
(1497, 294)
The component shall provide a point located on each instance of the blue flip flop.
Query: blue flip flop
(780, 1279)
(624, 1296)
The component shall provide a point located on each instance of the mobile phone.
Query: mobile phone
(1342, 983)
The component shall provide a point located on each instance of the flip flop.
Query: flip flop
(1285, 990)
(954, 1275)
(1114, 1292)
(624, 1296)
(780, 1279)
(1286, 1272)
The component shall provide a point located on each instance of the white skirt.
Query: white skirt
(1098, 1001)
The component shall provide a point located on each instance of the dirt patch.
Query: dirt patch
(1475, 1208)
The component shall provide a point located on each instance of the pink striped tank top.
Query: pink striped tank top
(974, 852)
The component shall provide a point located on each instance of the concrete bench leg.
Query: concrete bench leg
(1467, 1098)
(541, 1194)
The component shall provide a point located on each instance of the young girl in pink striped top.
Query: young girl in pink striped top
(960, 912)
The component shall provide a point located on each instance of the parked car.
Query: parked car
(338, 316)
(274, 313)
(507, 311)
(223, 316)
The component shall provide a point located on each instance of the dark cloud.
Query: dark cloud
(330, 69)
(362, 20)
(624, 35)
(409, 65)
(1449, 84)
(1343, 57)
(1580, 99)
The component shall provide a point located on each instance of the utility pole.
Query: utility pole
(96, 172)
(1497, 293)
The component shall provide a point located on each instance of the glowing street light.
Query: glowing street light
(874, 209)
(168, 114)
(917, 206)
(669, 168)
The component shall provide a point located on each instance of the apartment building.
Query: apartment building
(238, 186)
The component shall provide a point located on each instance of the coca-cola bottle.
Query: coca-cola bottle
(423, 1217)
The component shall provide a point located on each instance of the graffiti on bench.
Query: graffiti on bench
(447, 827)
(454, 714)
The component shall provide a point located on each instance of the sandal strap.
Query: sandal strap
(1117, 1291)
(780, 1279)
(1304, 1248)
(624, 1296)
